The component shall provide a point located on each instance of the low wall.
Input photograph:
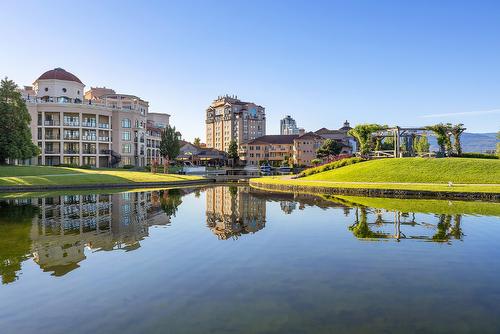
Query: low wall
(395, 193)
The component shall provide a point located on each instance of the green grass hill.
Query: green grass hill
(416, 170)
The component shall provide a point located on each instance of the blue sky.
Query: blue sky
(392, 62)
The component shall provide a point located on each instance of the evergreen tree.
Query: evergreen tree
(197, 142)
(232, 152)
(169, 145)
(15, 133)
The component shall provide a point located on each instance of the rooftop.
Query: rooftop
(274, 139)
(59, 74)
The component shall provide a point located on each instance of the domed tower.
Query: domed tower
(58, 85)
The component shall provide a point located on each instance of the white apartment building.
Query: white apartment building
(99, 128)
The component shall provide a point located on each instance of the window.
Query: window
(126, 148)
(126, 123)
(126, 135)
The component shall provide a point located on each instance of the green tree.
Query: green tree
(169, 146)
(498, 144)
(363, 135)
(232, 152)
(15, 133)
(442, 132)
(197, 142)
(421, 144)
(329, 147)
(456, 132)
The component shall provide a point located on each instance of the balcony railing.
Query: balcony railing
(71, 123)
(71, 137)
(89, 138)
(53, 151)
(103, 138)
(71, 152)
(51, 123)
(103, 126)
(89, 151)
(52, 137)
(89, 124)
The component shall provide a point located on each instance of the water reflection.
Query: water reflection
(233, 211)
(57, 231)
(404, 225)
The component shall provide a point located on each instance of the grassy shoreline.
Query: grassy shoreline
(412, 175)
(47, 177)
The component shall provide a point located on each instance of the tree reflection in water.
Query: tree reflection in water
(15, 243)
(446, 228)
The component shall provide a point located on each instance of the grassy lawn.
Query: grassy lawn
(40, 175)
(421, 205)
(416, 170)
(467, 175)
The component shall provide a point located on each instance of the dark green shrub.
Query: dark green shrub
(330, 166)
(479, 155)
(128, 166)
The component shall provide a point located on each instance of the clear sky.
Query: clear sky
(392, 62)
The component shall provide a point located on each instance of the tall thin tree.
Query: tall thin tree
(169, 146)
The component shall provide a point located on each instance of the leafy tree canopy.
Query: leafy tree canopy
(15, 133)
(329, 147)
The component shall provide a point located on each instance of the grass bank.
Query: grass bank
(30, 176)
(392, 177)
(416, 170)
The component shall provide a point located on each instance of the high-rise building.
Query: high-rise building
(288, 126)
(99, 128)
(229, 118)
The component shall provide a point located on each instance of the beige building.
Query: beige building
(276, 149)
(99, 128)
(272, 148)
(305, 148)
(229, 118)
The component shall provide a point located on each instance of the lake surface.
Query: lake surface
(230, 259)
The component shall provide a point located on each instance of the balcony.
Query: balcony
(75, 124)
(71, 152)
(52, 137)
(89, 138)
(103, 138)
(91, 151)
(103, 126)
(71, 137)
(51, 151)
(51, 123)
(91, 124)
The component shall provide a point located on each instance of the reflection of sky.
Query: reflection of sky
(303, 271)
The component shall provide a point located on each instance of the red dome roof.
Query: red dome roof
(59, 74)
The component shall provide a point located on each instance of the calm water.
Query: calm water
(232, 259)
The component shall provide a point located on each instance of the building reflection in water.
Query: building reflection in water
(394, 224)
(56, 231)
(233, 211)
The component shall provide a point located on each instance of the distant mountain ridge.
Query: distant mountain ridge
(472, 142)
